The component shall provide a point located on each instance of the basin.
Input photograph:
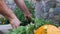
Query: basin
(4, 29)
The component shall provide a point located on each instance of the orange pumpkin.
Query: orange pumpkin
(47, 29)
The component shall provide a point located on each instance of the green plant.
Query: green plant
(3, 20)
(19, 13)
(29, 28)
(41, 21)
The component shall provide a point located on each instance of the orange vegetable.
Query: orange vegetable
(47, 29)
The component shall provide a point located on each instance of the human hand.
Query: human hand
(29, 18)
(15, 22)
(27, 15)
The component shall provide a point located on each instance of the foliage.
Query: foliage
(20, 30)
(23, 30)
(29, 29)
(3, 20)
(41, 21)
(19, 13)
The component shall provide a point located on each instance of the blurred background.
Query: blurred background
(45, 9)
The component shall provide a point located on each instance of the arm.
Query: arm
(8, 13)
(23, 7)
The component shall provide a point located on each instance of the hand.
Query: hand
(15, 22)
(27, 15)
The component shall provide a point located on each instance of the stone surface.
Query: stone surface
(10, 4)
(52, 10)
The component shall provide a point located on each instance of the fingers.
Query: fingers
(12, 25)
(15, 24)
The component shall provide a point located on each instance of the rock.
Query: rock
(57, 14)
(52, 14)
(10, 4)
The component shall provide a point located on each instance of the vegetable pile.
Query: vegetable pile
(28, 29)
(31, 28)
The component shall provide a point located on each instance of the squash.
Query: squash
(47, 29)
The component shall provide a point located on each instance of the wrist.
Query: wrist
(26, 12)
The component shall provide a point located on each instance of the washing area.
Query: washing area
(4, 29)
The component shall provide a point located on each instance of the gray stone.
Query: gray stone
(52, 11)
(10, 4)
